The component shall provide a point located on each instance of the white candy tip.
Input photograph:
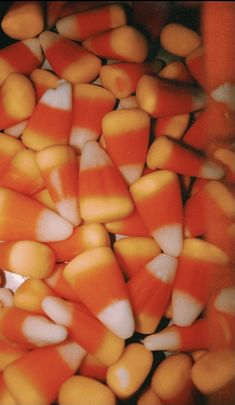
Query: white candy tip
(118, 318)
(41, 332)
(51, 227)
(57, 309)
(211, 170)
(170, 239)
(185, 308)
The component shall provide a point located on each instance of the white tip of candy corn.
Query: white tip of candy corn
(131, 173)
(118, 318)
(72, 354)
(165, 340)
(57, 310)
(170, 239)
(51, 227)
(6, 297)
(211, 170)
(79, 136)
(163, 267)
(42, 332)
(225, 301)
(61, 97)
(185, 308)
(225, 94)
(34, 45)
(68, 209)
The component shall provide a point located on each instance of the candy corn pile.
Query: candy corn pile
(117, 203)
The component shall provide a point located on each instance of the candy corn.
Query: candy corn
(6, 297)
(132, 225)
(126, 134)
(5, 396)
(148, 397)
(17, 100)
(103, 194)
(90, 104)
(23, 20)
(50, 122)
(179, 40)
(36, 377)
(23, 174)
(43, 80)
(214, 370)
(58, 166)
(158, 201)
(149, 305)
(176, 390)
(122, 78)
(93, 368)
(30, 294)
(164, 153)
(123, 44)
(128, 373)
(17, 129)
(22, 57)
(195, 62)
(28, 330)
(199, 263)
(84, 237)
(84, 329)
(133, 253)
(9, 146)
(176, 70)
(162, 97)
(80, 65)
(28, 258)
(23, 218)
(60, 285)
(98, 267)
(83, 390)
(174, 126)
(9, 353)
(84, 24)
(179, 338)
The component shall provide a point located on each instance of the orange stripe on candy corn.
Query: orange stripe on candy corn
(58, 166)
(84, 237)
(174, 126)
(60, 285)
(23, 218)
(50, 123)
(126, 134)
(149, 304)
(132, 225)
(133, 253)
(158, 200)
(37, 376)
(199, 263)
(98, 270)
(123, 43)
(85, 329)
(103, 194)
(162, 97)
(22, 57)
(80, 65)
(165, 153)
(90, 104)
(82, 25)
